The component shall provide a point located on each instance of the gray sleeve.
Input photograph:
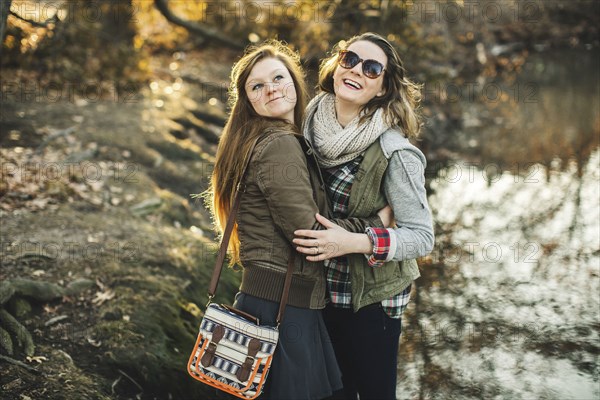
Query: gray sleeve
(404, 186)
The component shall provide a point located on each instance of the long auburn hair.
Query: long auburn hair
(402, 96)
(243, 127)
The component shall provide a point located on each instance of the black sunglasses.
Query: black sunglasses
(348, 59)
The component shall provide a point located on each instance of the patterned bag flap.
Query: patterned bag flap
(238, 331)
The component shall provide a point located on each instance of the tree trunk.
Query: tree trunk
(196, 27)
(4, 11)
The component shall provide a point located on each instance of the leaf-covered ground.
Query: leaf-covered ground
(105, 258)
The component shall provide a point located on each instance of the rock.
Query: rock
(82, 156)
(79, 285)
(146, 207)
(39, 290)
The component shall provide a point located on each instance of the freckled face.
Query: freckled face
(271, 90)
(351, 86)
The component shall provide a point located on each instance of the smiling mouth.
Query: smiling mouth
(274, 99)
(352, 84)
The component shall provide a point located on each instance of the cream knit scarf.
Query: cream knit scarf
(334, 144)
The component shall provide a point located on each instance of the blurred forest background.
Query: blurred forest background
(110, 115)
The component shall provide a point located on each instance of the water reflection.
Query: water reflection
(508, 304)
(547, 115)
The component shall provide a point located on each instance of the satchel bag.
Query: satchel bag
(233, 352)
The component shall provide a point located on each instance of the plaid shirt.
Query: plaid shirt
(339, 180)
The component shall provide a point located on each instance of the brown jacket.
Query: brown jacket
(283, 190)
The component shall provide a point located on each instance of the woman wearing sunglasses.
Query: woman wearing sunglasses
(359, 127)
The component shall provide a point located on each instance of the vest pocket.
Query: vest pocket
(387, 273)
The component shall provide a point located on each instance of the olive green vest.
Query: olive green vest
(371, 285)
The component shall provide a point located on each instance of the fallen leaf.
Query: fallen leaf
(38, 359)
(40, 203)
(95, 200)
(191, 308)
(94, 342)
(49, 309)
(96, 185)
(54, 320)
(92, 239)
(102, 297)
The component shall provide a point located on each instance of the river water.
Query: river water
(508, 305)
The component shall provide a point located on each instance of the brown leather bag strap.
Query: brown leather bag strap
(286, 286)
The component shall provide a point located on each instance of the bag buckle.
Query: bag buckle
(244, 372)
(211, 349)
(210, 298)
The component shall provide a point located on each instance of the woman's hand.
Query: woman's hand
(333, 242)
(386, 214)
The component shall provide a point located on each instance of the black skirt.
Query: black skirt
(304, 365)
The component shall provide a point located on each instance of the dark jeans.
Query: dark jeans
(366, 348)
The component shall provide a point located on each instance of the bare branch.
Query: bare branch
(195, 27)
(46, 24)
